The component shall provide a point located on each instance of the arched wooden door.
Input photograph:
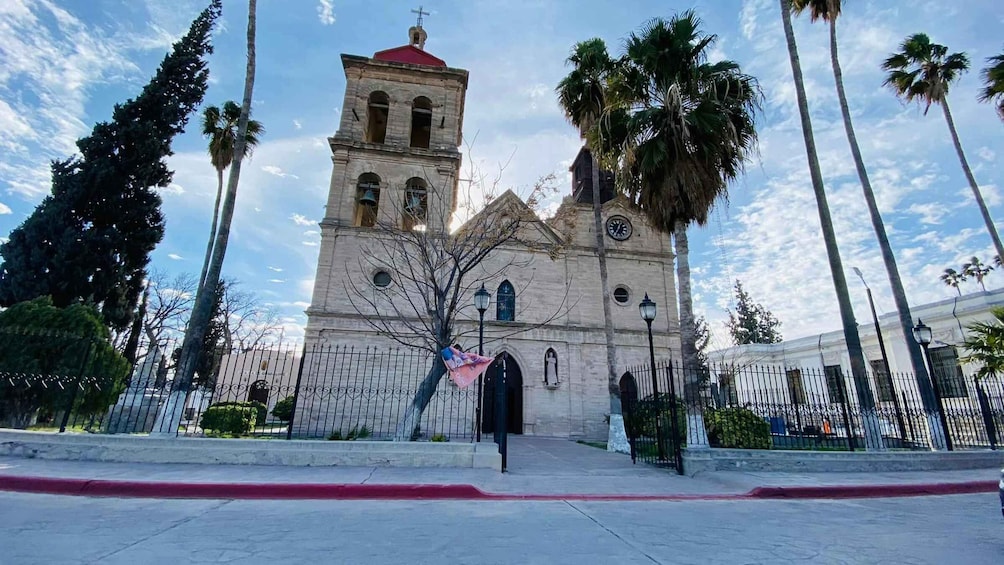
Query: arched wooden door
(514, 397)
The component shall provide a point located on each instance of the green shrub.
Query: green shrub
(439, 438)
(260, 410)
(352, 435)
(283, 410)
(229, 418)
(640, 417)
(738, 428)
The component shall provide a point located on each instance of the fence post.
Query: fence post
(909, 421)
(674, 426)
(501, 420)
(80, 379)
(847, 417)
(296, 391)
(988, 419)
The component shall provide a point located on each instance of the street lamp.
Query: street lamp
(885, 358)
(647, 309)
(482, 298)
(923, 334)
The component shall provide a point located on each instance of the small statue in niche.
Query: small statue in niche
(551, 368)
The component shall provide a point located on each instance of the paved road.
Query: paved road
(50, 529)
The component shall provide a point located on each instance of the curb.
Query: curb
(307, 491)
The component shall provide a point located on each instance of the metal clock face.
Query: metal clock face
(619, 228)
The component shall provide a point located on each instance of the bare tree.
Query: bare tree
(169, 305)
(247, 322)
(435, 272)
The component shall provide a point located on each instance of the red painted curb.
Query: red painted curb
(873, 491)
(247, 491)
(302, 491)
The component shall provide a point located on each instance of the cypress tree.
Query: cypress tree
(90, 240)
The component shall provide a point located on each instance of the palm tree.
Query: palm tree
(829, 12)
(220, 126)
(689, 134)
(924, 71)
(993, 78)
(976, 269)
(985, 344)
(873, 437)
(202, 312)
(582, 96)
(953, 278)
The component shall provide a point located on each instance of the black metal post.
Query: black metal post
(913, 433)
(847, 418)
(673, 426)
(885, 363)
(655, 395)
(501, 419)
(481, 351)
(987, 413)
(80, 379)
(937, 398)
(296, 392)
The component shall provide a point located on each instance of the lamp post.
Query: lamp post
(481, 300)
(923, 334)
(647, 308)
(885, 358)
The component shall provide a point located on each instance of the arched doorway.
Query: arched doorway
(514, 397)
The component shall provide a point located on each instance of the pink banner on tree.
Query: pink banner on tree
(464, 368)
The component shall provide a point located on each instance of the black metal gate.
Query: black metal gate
(655, 417)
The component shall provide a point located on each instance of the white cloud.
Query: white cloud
(173, 188)
(326, 12)
(301, 220)
(986, 154)
(297, 124)
(276, 269)
(276, 281)
(175, 256)
(4, 209)
(310, 243)
(277, 171)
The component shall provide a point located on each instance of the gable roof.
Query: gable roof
(409, 54)
(509, 202)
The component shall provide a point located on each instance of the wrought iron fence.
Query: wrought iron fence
(280, 391)
(770, 407)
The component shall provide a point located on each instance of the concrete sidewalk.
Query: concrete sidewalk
(538, 468)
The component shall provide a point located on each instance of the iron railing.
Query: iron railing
(329, 392)
(772, 407)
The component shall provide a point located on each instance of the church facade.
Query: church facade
(396, 161)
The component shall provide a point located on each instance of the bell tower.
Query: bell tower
(395, 158)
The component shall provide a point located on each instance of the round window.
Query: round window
(381, 279)
(621, 295)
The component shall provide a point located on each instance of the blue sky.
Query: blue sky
(64, 64)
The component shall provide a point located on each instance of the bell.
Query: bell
(368, 198)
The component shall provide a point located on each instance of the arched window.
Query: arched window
(506, 303)
(377, 109)
(367, 200)
(421, 122)
(416, 202)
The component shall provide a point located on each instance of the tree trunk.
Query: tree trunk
(895, 283)
(697, 435)
(972, 181)
(170, 417)
(873, 437)
(616, 436)
(132, 344)
(212, 229)
(413, 413)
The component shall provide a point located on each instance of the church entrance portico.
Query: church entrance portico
(514, 397)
